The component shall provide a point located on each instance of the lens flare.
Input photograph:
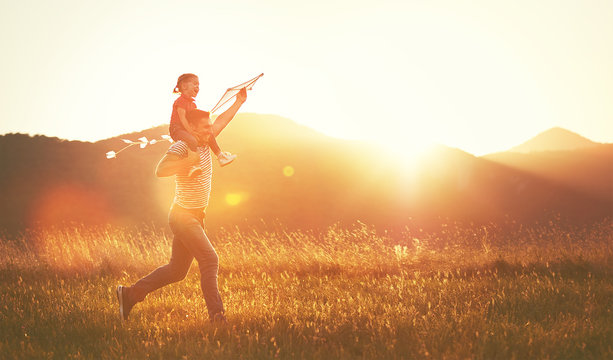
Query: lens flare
(69, 203)
(288, 171)
(233, 199)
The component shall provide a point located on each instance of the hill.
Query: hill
(588, 170)
(554, 139)
(286, 174)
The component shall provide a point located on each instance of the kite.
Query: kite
(231, 92)
(227, 96)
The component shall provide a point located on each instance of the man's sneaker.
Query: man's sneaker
(225, 158)
(194, 171)
(125, 305)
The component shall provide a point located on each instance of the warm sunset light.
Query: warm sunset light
(234, 199)
(407, 179)
(288, 171)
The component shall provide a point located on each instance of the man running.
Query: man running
(186, 218)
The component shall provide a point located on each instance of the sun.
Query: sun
(408, 153)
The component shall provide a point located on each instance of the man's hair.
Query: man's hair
(194, 115)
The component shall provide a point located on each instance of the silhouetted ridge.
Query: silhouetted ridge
(48, 181)
(554, 139)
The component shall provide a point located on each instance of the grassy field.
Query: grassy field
(543, 291)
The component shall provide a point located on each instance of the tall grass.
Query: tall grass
(462, 291)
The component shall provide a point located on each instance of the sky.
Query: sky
(482, 76)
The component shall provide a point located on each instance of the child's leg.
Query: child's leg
(192, 144)
(224, 158)
(214, 146)
(188, 138)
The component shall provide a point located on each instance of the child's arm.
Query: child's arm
(183, 118)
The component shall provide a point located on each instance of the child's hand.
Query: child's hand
(242, 95)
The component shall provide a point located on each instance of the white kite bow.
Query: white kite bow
(141, 142)
(233, 91)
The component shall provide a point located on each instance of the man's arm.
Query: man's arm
(172, 164)
(224, 119)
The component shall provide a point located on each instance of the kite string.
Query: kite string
(125, 147)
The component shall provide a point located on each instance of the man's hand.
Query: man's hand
(172, 164)
(241, 97)
(193, 157)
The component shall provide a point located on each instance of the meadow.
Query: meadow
(458, 291)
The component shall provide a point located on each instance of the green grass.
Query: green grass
(543, 292)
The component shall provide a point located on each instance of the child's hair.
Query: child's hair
(194, 115)
(182, 78)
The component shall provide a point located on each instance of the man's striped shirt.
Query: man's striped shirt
(194, 192)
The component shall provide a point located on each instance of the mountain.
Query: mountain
(286, 174)
(564, 158)
(588, 170)
(554, 139)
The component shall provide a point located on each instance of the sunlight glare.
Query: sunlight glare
(408, 154)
